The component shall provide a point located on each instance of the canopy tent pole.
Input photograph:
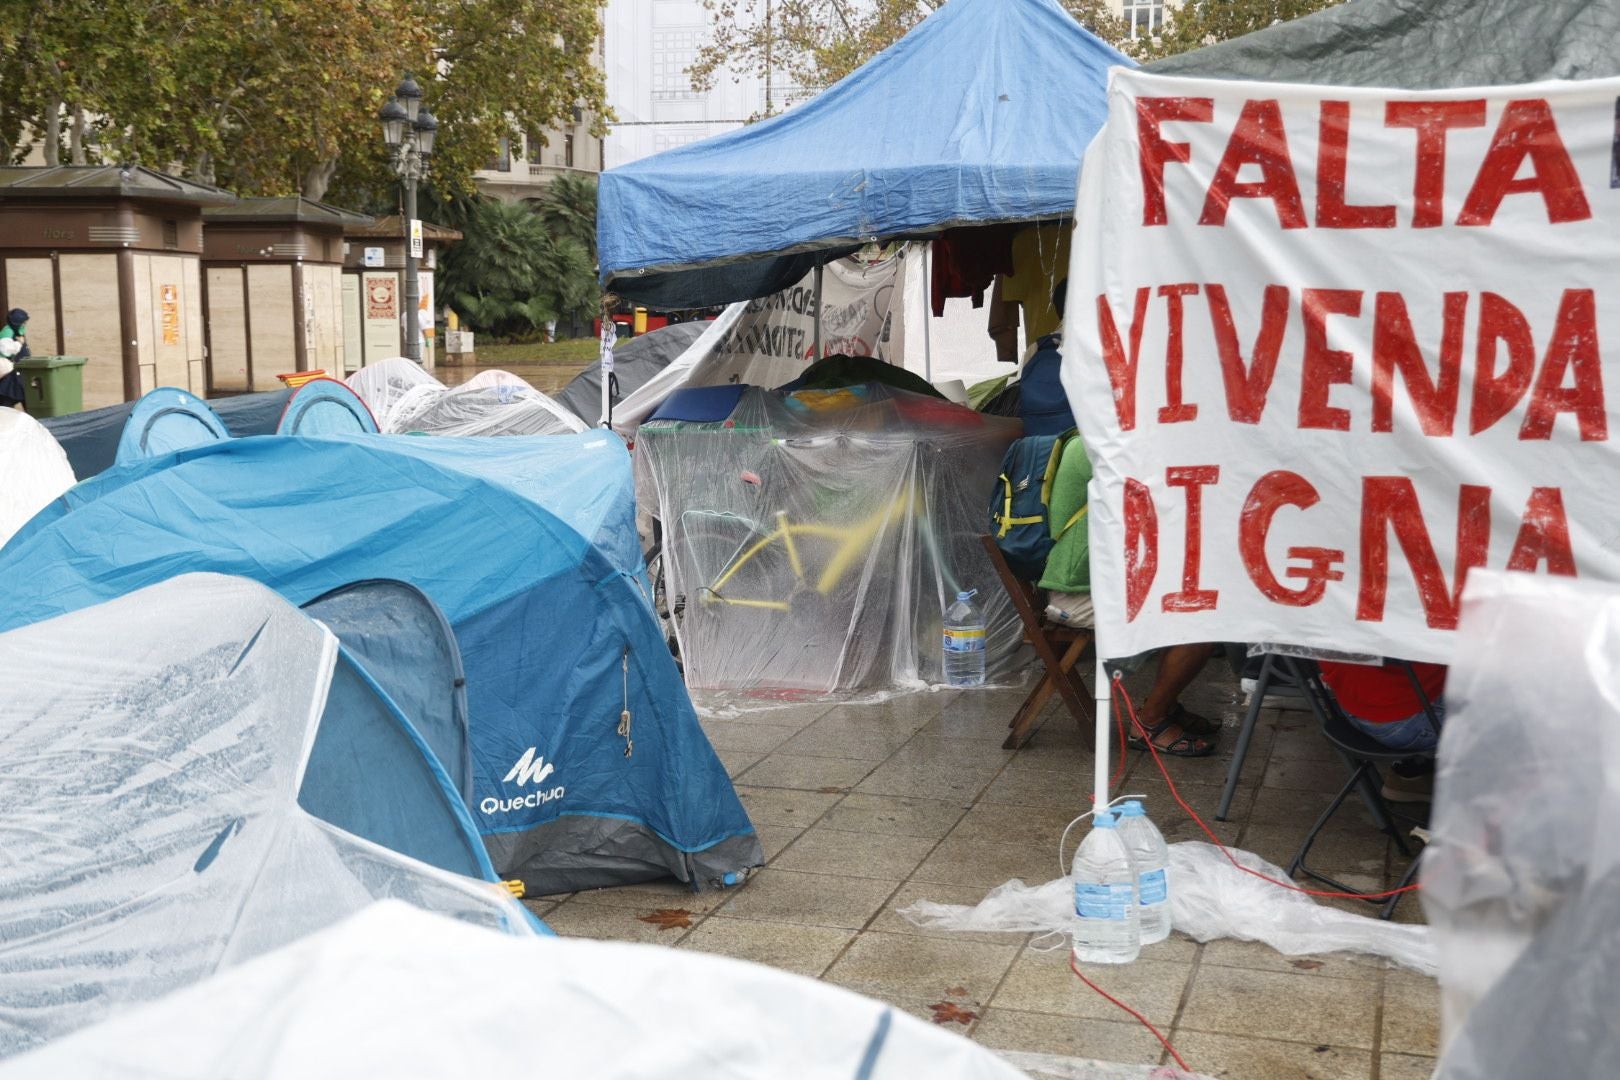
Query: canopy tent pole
(928, 315)
(819, 269)
(1099, 782)
(610, 335)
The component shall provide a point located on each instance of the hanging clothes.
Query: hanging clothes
(967, 260)
(1040, 259)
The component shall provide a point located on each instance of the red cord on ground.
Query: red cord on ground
(1119, 688)
(1182, 1065)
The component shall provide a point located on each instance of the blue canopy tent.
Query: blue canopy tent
(528, 546)
(980, 114)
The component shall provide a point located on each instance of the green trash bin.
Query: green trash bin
(52, 385)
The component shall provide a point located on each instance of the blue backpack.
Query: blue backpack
(1020, 518)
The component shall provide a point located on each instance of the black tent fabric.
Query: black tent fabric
(90, 439)
(634, 362)
(1421, 45)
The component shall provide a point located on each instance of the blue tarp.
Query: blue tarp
(980, 114)
(528, 545)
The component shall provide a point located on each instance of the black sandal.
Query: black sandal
(1195, 740)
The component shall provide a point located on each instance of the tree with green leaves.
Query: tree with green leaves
(1197, 23)
(512, 273)
(280, 96)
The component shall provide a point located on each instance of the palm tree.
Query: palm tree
(569, 209)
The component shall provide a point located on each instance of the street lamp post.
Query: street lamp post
(408, 132)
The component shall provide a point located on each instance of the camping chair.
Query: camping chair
(1362, 754)
(1059, 648)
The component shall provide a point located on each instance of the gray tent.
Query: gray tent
(634, 362)
(1421, 45)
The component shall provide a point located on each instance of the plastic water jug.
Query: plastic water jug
(1106, 930)
(964, 642)
(1151, 856)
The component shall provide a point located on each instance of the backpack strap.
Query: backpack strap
(1006, 516)
(1067, 525)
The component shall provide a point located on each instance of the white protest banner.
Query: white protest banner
(1330, 348)
(774, 338)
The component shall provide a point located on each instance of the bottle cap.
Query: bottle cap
(1131, 808)
(1103, 820)
(970, 594)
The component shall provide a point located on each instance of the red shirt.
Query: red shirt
(1382, 695)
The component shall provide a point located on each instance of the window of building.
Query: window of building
(1144, 18)
(673, 51)
(502, 161)
(568, 150)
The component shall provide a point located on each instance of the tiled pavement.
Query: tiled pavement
(864, 809)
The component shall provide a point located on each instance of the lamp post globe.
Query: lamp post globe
(392, 116)
(426, 128)
(409, 95)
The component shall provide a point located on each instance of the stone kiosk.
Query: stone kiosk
(106, 260)
(273, 274)
(374, 289)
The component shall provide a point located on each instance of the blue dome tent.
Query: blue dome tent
(166, 420)
(980, 114)
(526, 543)
(325, 407)
(90, 439)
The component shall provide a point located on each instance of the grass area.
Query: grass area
(575, 351)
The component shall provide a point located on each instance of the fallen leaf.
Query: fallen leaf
(949, 1012)
(1307, 965)
(670, 918)
(956, 991)
(1322, 1049)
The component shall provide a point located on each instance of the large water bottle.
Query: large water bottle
(1151, 856)
(964, 642)
(1106, 930)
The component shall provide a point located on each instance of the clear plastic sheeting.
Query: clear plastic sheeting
(1209, 898)
(813, 540)
(1054, 1067)
(383, 384)
(405, 399)
(150, 832)
(1522, 880)
(401, 993)
(36, 470)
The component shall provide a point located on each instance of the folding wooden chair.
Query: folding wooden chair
(1059, 648)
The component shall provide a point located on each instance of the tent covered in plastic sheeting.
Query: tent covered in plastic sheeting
(382, 384)
(634, 363)
(529, 547)
(197, 774)
(954, 124)
(1421, 45)
(34, 468)
(406, 399)
(397, 992)
(813, 540)
(490, 403)
(1522, 881)
(91, 438)
(325, 407)
(406, 644)
(165, 420)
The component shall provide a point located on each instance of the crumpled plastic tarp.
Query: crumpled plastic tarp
(1209, 898)
(34, 469)
(813, 540)
(150, 835)
(1522, 880)
(400, 993)
(405, 399)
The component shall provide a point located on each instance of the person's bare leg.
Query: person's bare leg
(1178, 667)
